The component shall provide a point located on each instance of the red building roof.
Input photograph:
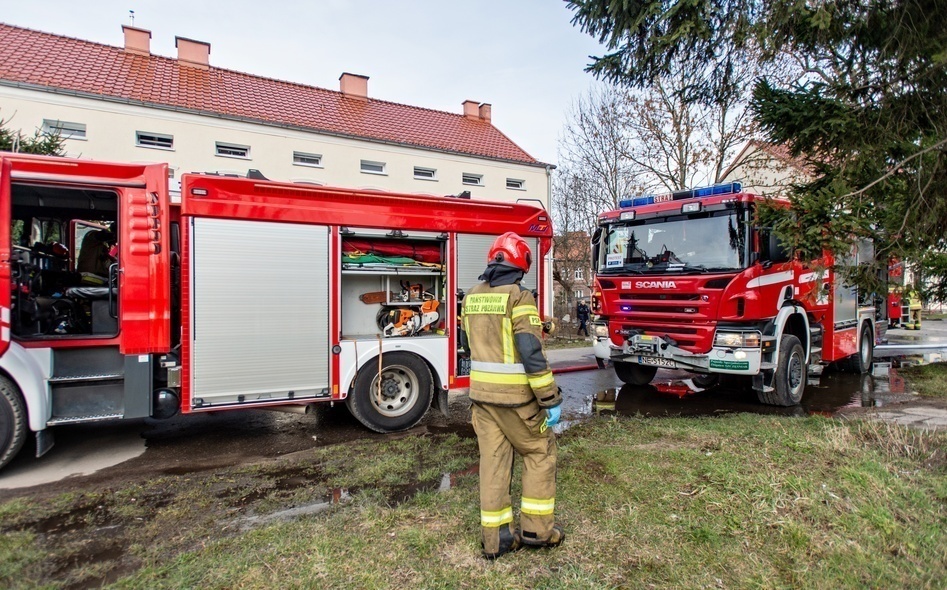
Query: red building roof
(55, 63)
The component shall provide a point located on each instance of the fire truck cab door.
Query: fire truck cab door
(5, 253)
(143, 267)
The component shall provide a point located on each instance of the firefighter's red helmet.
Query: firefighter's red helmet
(511, 250)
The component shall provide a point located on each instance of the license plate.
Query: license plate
(656, 361)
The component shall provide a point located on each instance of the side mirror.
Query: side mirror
(596, 243)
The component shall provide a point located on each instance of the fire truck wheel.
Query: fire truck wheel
(403, 398)
(789, 382)
(860, 362)
(12, 421)
(634, 374)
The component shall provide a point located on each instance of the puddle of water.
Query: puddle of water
(826, 395)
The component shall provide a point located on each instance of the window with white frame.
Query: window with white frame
(579, 274)
(64, 129)
(154, 140)
(304, 159)
(370, 167)
(515, 184)
(472, 179)
(579, 293)
(231, 150)
(422, 173)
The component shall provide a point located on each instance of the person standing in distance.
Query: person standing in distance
(582, 314)
(515, 402)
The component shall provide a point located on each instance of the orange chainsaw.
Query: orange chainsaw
(408, 320)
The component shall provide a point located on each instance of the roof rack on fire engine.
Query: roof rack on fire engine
(729, 188)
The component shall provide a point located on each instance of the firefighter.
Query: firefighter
(515, 402)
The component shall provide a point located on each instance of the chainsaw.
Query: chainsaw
(409, 320)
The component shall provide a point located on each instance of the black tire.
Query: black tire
(406, 392)
(789, 382)
(861, 362)
(12, 421)
(706, 380)
(633, 373)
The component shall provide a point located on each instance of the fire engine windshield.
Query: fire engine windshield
(682, 244)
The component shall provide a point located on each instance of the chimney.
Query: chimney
(471, 110)
(193, 53)
(137, 41)
(354, 86)
(485, 111)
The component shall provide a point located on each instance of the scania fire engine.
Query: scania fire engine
(247, 293)
(688, 281)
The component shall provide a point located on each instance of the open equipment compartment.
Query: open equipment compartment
(393, 284)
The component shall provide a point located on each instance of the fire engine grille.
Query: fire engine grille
(687, 318)
(662, 297)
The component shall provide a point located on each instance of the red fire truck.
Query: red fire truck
(247, 294)
(688, 281)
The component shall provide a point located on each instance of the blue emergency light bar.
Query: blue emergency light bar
(730, 188)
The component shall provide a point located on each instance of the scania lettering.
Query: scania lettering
(247, 293)
(722, 296)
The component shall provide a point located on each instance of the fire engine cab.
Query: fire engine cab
(688, 281)
(247, 293)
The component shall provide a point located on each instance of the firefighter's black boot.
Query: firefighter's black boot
(509, 542)
(555, 538)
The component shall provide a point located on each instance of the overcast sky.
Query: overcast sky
(522, 56)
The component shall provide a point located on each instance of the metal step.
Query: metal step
(78, 419)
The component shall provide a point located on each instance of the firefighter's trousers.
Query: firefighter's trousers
(500, 431)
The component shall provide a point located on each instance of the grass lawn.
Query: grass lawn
(928, 380)
(737, 501)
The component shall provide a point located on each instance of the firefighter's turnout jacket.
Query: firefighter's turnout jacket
(508, 367)
(510, 384)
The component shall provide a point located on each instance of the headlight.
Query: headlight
(601, 330)
(737, 339)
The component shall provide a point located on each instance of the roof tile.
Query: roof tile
(73, 65)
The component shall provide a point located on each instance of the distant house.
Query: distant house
(572, 273)
(765, 168)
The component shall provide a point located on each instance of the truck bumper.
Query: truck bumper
(656, 351)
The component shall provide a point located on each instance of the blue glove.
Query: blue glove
(552, 415)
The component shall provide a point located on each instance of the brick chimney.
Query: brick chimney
(485, 111)
(354, 86)
(193, 53)
(137, 41)
(471, 110)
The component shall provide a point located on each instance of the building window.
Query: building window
(369, 167)
(472, 179)
(229, 150)
(578, 274)
(515, 184)
(154, 140)
(579, 293)
(64, 129)
(304, 159)
(425, 173)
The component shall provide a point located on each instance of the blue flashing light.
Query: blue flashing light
(729, 188)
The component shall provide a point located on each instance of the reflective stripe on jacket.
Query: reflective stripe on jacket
(508, 365)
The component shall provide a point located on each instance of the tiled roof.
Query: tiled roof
(64, 64)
